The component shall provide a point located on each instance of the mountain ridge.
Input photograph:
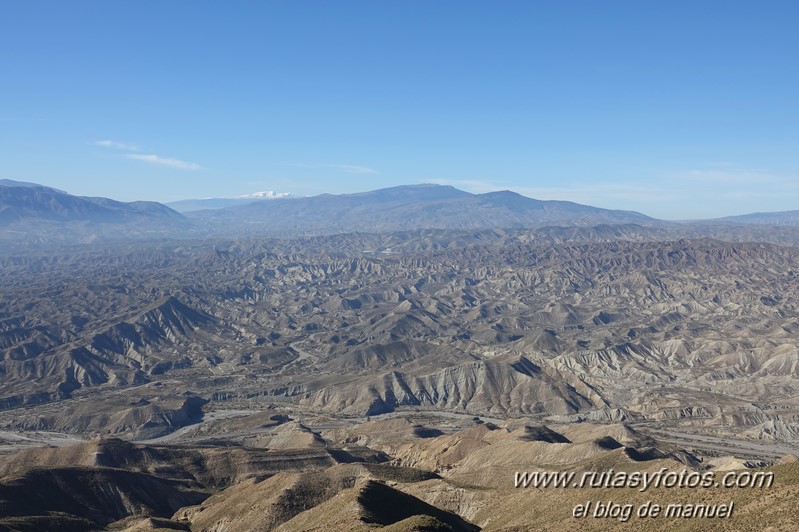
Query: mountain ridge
(783, 218)
(32, 201)
(407, 207)
(33, 215)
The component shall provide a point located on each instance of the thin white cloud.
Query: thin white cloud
(348, 168)
(116, 145)
(165, 161)
(151, 159)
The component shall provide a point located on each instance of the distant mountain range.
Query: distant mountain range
(36, 214)
(783, 218)
(407, 208)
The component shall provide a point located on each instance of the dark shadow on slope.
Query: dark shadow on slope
(384, 505)
(542, 433)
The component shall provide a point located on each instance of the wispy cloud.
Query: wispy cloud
(348, 168)
(165, 161)
(116, 145)
(150, 159)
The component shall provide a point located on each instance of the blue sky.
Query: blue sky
(678, 109)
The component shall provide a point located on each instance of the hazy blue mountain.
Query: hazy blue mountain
(31, 213)
(789, 218)
(12, 183)
(405, 208)
(28, 201)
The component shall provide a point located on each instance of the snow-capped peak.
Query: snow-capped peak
(268, 194)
